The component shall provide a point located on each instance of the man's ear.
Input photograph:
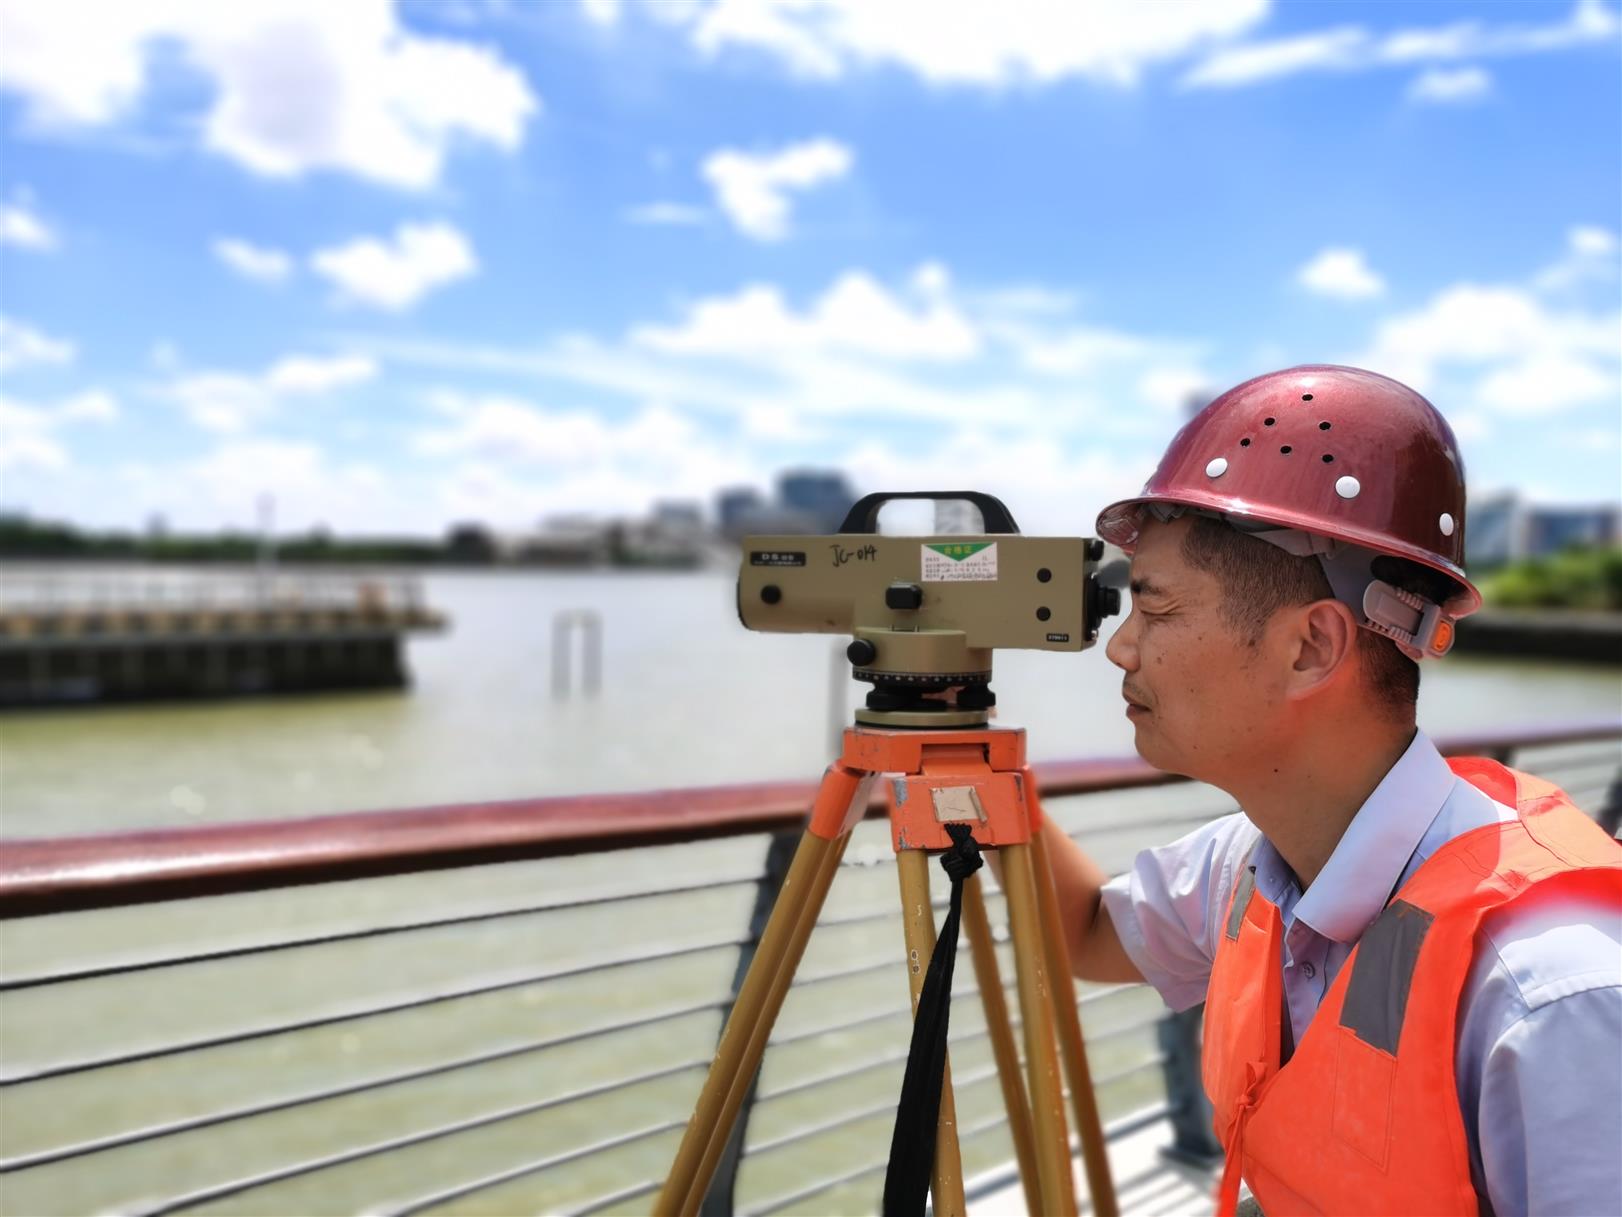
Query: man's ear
(1324, 636)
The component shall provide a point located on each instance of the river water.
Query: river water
(688, 697)
(194, 1078)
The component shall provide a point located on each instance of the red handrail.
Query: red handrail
(107, 870)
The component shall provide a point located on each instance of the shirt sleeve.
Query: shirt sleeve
(1539, 1078)
(1168, 909)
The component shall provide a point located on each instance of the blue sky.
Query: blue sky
(404, 265)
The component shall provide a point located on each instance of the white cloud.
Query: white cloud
(855, 315)
(1015, 42)
(1175, 388)
(395, 274)
(919, 353)
(22, 226)
(1505, 348)
(251, 261)
(753, 189)
(29, 431)
(298, 85)
(93, 405)
(1354, 48)
(234, 401)
(666, 213)
(1591, 258)
(21, 345)
(1342, 273)
(1450, 87)
(601, 12)
(223, 486)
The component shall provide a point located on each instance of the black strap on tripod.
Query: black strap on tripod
(912, 1145)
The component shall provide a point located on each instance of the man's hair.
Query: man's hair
(1258, 579)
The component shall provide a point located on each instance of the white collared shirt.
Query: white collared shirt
(1539, 1052)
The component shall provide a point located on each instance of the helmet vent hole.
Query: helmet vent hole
(1285, 450)
(1323, 426)
(1268, 422)
(1244, 443)
(1306, 397)
(1328, 460)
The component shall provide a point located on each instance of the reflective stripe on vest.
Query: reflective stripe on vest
(1365, 1117)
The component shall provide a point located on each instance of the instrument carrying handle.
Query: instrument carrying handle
(863, 516)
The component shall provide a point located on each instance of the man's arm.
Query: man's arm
(1539, 1080)
(1095, 947)
(1158, 922)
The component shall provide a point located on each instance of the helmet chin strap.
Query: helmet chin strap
(1421, 628)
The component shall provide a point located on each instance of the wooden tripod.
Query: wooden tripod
(974, 776)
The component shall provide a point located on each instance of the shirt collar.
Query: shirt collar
(1371, 856)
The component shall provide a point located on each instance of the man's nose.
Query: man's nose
(1122, 648)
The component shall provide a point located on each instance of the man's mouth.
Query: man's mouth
(1134, 705)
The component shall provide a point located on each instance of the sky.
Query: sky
(405, 265)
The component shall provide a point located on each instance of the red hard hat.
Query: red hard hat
(1338, 452)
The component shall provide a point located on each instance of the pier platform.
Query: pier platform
(66, 641)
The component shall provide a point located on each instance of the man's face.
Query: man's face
(1202, 699)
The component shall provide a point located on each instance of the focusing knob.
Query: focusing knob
(861, 652)
(1094, 549)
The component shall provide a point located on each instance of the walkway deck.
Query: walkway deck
(1147, 1182)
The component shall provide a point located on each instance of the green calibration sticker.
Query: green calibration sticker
(959, 562)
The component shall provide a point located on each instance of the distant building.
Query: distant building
(825, 496)
(1501, 528)
(733, 505)
(679, 514)
(568, 540)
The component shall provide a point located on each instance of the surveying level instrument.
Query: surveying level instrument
(925, 614)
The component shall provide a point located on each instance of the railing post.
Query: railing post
(1193, 1138)
(591, 650)
(1610, 813)
(718, 1201)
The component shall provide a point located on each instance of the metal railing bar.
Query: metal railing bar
(891, 1057)
(1109, 1079)
(1585, 767)
(45, 875)
(327, 1020)
(265, 1178)
(281, 1175)
(806, 1131)
(1094, 830)
(145, 965)
(1114, 1130)
(421, 1203)
(85, 1148)
(778, 1203)
(600, 1203)
(213, 1119)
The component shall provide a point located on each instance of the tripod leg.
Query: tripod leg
(918, 924)
(743, 1043)
(1001, 1031)
(1072, 1048)
(1036, 1003)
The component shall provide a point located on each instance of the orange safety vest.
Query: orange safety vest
(1364, 1117)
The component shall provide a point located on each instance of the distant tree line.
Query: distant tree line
(1576, 578)
(25, 538)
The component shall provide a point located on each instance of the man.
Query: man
(1412, 970)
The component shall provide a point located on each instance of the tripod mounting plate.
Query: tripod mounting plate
(961, 775)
